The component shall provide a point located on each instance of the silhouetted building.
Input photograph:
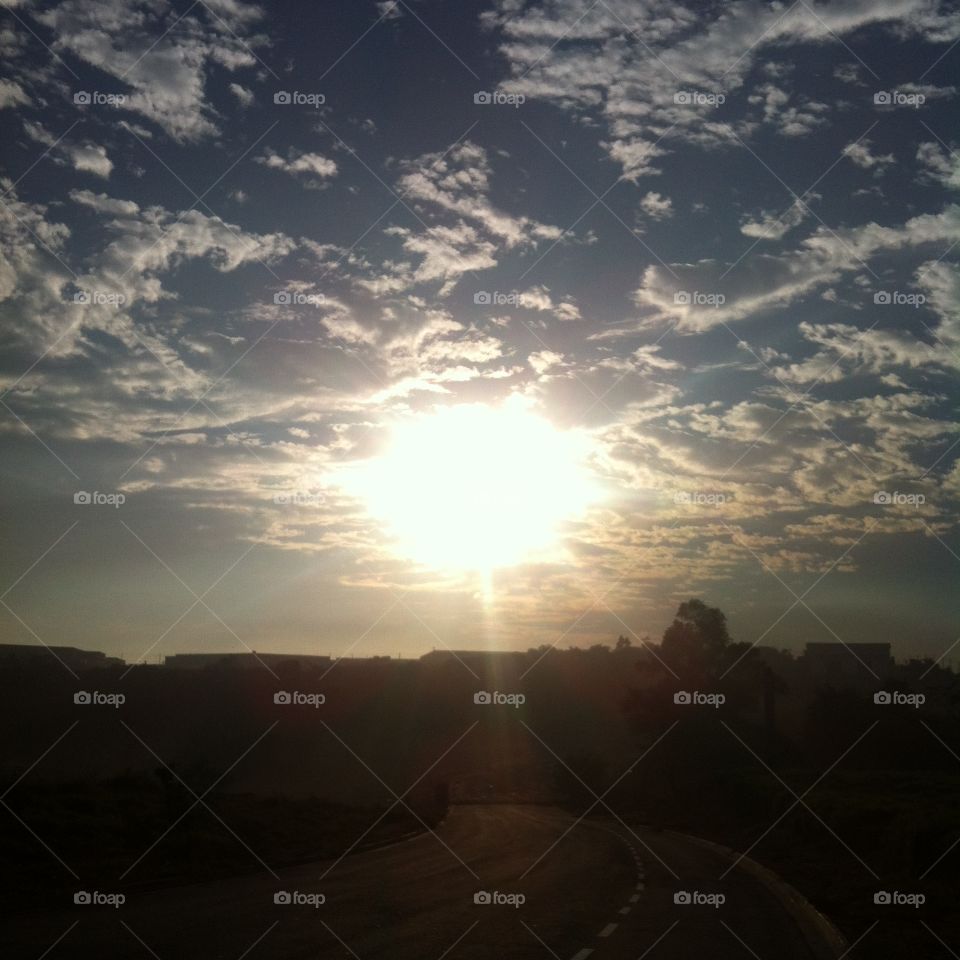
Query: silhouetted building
(847, 664)
(28, 653)
(468, 656)
(243, 661)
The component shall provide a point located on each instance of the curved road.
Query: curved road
(589, 889)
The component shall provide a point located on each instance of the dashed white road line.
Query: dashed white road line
(624, 911)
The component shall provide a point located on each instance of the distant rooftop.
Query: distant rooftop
(250, 659)
(848, 661)
(829, 645)
(469, 654)
(71, 656)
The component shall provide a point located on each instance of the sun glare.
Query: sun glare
(475, 487)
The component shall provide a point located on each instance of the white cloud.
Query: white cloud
(446, 253)
(583, 61)
(848, 73)
(28, 244)
(859, 153)
(772, 98)
(688, 293)
(773, 226)
(458, 180)
(941, 283)
(790, 121)
(143, 246)
(648, 356)
(939, 164)
(91, 158)
(453, 186)
(928, 91)
(313, 168)
(168, 75)
(104, 204)
(12, 95)
(158, 240)
(85, 157)
(39, 133)
(538, 298)
(634, 156)
(243, 95)
(846, 350)
(543, 361)
(656, 206)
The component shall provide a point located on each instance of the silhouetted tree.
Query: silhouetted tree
(697, 644)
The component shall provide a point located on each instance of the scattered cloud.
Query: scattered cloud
(860, 154)
(12, 95)
(244, 96)
(91, 158)
(312, 168)
(656, 206)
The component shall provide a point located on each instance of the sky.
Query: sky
(374, 327)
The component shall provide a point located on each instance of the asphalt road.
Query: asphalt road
(589, 889)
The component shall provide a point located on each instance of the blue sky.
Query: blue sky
(241, 243)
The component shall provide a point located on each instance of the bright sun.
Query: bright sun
(474, 487)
